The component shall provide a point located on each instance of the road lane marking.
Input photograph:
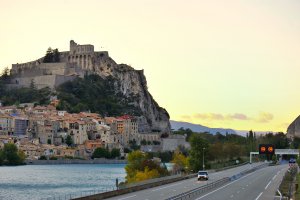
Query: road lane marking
(231, 196)
(274, 177)
(268, 185)
(166, 187)
(258, 196)
(223, 186)
(127, 197)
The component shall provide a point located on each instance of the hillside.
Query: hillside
(110, 89)
(199, 128)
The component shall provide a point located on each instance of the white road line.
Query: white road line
(166, 187)
(268, 185)
(274, 177)
(258, 196)
(223, 186)
(127, 197)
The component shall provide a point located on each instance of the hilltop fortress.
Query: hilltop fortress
(79, 60)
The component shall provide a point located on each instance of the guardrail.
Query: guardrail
(195, 192)
(202, 189)
(111, 191)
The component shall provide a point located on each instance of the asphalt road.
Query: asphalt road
(172, 189)
(259, 185)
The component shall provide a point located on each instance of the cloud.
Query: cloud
(264, 117)
(209, 116)
(239, 116)
(217, 116)
(187, 117)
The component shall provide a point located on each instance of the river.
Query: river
(54, 181)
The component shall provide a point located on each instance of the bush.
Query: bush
(101, 153)
(42, 157)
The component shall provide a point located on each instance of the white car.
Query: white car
(202, 175)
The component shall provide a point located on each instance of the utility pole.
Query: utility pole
(203, 166)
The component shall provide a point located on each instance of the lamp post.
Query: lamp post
(203, 166)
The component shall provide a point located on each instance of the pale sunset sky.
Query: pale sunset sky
(226, 63)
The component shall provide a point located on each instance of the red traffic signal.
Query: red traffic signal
(266, 149)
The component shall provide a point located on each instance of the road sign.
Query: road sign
(266, 149)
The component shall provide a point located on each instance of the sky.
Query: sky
(226, 63)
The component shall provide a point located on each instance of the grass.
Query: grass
(287, 181)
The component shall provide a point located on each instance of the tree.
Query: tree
(1, 157)
(133, 145)
(12, 156)
(49, 141)
(101, 153)
(52, 55)
(5, 76)
(140, 167)
(146, 174)
(49, 55)
(134, 161)
(115, 153)
(198, 146)
(56, 57)
(180, 161)
(143, 142)
(69, 140)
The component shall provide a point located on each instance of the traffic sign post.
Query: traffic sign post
(267, 149)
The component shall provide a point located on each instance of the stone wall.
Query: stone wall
(51, 81)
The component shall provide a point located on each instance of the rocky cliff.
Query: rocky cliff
(132, 83)
(294, 129)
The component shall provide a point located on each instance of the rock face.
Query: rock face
(81, 60)
(294, 129)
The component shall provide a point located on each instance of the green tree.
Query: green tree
(49, 56)
(198, 146)
(115, 153)
(56, 57)
(12, 155)
(1, 157)
(69, 140)
(101, 153)
(143, 142)
(133, 145)
(49, 141)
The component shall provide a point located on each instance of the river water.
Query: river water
(58, 181)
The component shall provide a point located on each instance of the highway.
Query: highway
(169, 190)
(261, 184)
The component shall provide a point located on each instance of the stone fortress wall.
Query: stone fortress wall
(76, 62)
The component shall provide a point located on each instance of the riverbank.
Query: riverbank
(75, 161)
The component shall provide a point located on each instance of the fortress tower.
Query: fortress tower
(82, 55)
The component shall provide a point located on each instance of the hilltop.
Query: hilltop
(87, 80)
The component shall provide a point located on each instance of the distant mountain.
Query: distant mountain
(175, 125)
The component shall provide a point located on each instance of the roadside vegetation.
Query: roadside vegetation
(224, 150)
(141, 167)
